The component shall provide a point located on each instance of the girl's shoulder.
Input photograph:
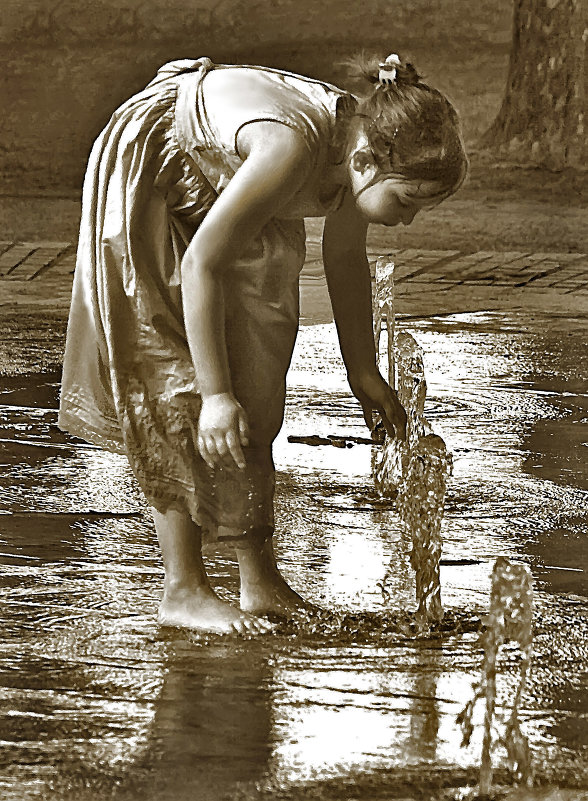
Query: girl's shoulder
(259, 82)
(234, 95)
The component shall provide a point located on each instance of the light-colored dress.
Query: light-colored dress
(128, 380)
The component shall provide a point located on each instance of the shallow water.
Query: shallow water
(98, 702)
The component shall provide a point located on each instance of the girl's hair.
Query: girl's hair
(411, 128)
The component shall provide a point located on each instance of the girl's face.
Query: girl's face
(385, 199)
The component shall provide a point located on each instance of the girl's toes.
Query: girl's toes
(240, 627)
(256, 626)
(259, 626)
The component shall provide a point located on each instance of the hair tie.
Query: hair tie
(387, 72)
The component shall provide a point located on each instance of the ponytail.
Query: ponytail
(411, 128)
(365, 69)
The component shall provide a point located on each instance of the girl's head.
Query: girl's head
(405, 143)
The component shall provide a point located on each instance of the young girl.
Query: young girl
(185, 299)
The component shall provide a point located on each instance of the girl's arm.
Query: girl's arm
(276, 164)
(349, 283)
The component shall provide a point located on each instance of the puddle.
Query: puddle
(98, 702)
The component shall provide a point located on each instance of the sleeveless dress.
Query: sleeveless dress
(128, 380)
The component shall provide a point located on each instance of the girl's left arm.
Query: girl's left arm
(349, 283)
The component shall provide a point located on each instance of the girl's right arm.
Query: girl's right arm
(276, 164)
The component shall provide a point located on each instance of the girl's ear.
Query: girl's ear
(362, 161)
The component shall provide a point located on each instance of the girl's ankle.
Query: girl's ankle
(185, 585)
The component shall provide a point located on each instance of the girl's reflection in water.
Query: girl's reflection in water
(210, 734)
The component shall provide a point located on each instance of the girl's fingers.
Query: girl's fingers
(391, 424)
(388, 422)
(220, 446)
(228, 451)
(396, 416)
(221, 450)
(392, 415)
(401, 417)
(378, 396)
(205, 452)
(243, 430)
(234, 448)
(225, 457)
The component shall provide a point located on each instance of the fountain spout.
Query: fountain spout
(415, 470)
(421, 501)
(510, 618)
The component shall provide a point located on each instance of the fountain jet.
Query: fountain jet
(510, 619)
(421, 502)
(415, 470)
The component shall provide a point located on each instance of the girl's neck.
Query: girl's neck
(335, 176)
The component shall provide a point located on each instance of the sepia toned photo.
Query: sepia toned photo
(294, 400)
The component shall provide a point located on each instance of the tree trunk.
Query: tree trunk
(543, 114)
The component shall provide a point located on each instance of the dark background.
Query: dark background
(66, 64)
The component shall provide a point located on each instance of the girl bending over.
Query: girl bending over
(185, 299)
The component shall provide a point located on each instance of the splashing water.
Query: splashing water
(421, 503)
(510, 618)
(416, 469)
(411, 387)
(406, 374)
(383, 309)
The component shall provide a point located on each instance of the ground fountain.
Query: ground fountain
(392, 467)
(414, 470)
(383, 311)
(510, 619)
(420, 505)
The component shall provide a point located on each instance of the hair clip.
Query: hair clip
(387, 73)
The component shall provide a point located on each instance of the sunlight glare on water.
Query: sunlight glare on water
(100, 701)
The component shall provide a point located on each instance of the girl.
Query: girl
(185, 298)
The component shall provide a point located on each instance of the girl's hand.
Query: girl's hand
(222, 431)
(377, 395)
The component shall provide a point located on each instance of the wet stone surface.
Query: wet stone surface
(98, 702)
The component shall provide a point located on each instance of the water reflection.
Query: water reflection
(211, 725)
(531, 474)
(370, 710)
(98, 702)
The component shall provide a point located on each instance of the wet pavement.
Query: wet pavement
(98, 702)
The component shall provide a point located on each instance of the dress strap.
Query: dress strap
(181, 66)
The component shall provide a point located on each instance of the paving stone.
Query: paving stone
(559, 276)
(462, 266)
(65, 264)
(414, 263)
(492, 266)
(13, 256)
(538, 262)
(40, 259)
(42, 273)
(570, 283)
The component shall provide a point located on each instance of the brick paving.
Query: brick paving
(40, 273)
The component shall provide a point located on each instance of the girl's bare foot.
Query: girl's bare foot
(188, 599)
(272, 597)
(200, 608)
(264, 591)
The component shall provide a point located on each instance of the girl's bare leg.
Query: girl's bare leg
(263, 588)
(188, 599)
